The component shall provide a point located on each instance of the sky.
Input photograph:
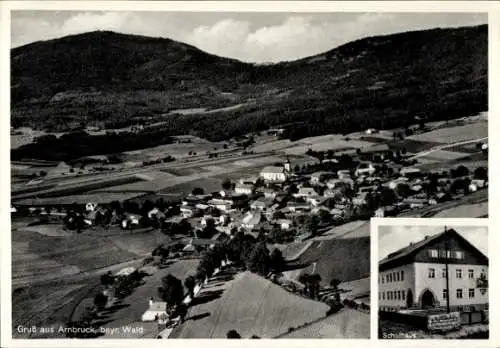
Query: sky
(392, 238)
(250, 37)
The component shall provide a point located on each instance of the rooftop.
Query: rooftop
(273, 169)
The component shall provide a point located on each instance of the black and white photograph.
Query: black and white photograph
(433, 281)
(213, 174)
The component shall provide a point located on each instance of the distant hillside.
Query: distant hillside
(112, 80)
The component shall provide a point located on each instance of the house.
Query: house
(306, 192)
(90, 206)
(379, 152)
(252, 180)
(379, 213)
(411, 172)
(258, 205)
(285, 224)
(344, 173)
(414, 203)
(371, 131)
(339, 182)
(251, 220)
(243, 189)
(427, 274)
(187, 211)
(156, 213)
(273, 174)
(365, 169)
(360, 199)
(316, 200)
(298, 207)
(155, 310)
(221, 204)
(319, 177)
(130, 221)
(269, 193)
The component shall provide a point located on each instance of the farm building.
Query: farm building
(427, 274)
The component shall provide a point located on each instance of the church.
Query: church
(443, 271)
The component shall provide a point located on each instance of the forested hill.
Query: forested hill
(109, 79)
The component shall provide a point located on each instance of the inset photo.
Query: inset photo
(432, 278)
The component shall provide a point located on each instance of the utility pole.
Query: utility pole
(447, 273)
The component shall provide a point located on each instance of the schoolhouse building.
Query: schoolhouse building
(439, 272)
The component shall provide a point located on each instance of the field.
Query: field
(348, 323)
(455, 134)
(250, 305)
(343, 258)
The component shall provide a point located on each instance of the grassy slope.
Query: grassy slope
(252, 306)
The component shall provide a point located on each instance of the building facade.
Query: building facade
(441, 271)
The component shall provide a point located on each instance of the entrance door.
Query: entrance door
(409, 299)
(427, 299)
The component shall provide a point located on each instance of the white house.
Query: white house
(251, 220)
(155, 311)
(285, 224)
(90, 206)
(273, 173)
(221, 204)
(243, 189)
(306, 192)
(365, 168)
(416, 276)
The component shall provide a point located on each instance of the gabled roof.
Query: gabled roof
(273, 169)
(404, 255)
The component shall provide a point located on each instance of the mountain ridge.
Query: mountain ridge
(112, 79)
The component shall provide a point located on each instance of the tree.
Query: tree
(190, 283)
(226, 184)
(258, 260)
(277, 261)
(107, 279)
(171, 291)
(100, 301)
(324, 216)
(403, 190)
(461, 171)
(334, 283)
(311, 225)
(233, 334)
(43, 173)
(481, 173)
(198, 191)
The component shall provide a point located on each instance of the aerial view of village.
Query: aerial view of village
(159, 190)
(433, 281)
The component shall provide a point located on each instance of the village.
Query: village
(234, 230)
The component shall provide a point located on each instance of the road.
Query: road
(447, 146)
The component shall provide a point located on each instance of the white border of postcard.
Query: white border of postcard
(491, 7)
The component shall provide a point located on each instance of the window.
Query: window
(442, 254)
(403, 295)
(432, 273)
(397, 276)
(443, 274)
(395, 295)
(448, 254)
(471, 293)
(399, 295)
(459, 293)
(387, 277)
(402, 275)
(459, 255)
(433, 253)
(383, 295)
(383, 278)
(459, 273)
(445, 294)
(471, 274)
(389, 295)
